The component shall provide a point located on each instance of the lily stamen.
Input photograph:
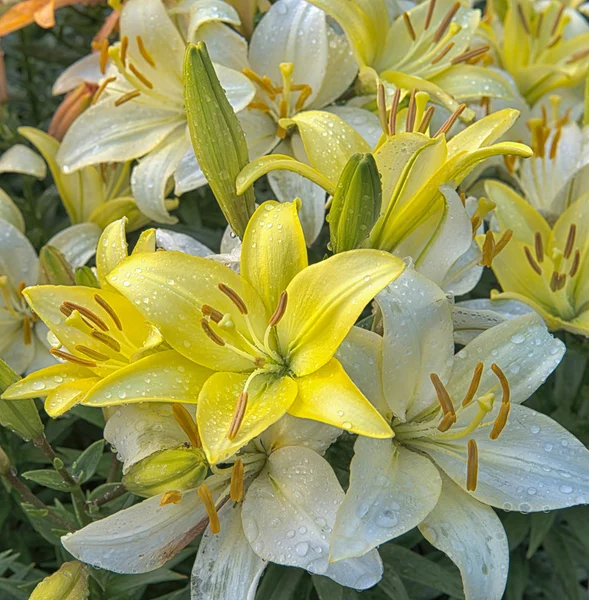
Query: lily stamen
(207, 499)
(469, 55)
(472, 468)
(393, 114)
(409, 26)
(503, 241)
(142, 78)
(234, 297)
(442, 53)
(238, 415)
(101, 89)
(503, 381)
(557, 19)
(474, 384)
(426, 119)
(576, 262)
(429, 15)
(570, 243)
(532, 261)
(171, 497)
(144, 52)
(71, 358)
(280, 310)
(539, 247)
(110, 310)
(447, 422)
(27, 331)
(488, 249)
(85, 312)
(442, 394)
(215, 315)
(236, 490)
(411, 110)
(500, 421)
(382, 108)
(92, 353)
(447, 125)
(212, 335)
(187, 423)
(124, 48)
(523, 19)
(554, 144)
(127, 97)
(103, 59)
(107, 340)
(306, 91)
(445, 23)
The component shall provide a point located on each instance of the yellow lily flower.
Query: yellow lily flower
(270, 333)
(100, 337)
(545, 267)
(531, 45)
(427, 47)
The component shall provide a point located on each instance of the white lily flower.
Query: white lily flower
(139, 111)
(281, 507)
(463, 442)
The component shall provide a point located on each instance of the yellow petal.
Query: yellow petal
(113, 210)
(162, 377)
(170, 289)
(329, 141)
(112, 249)
(146, 242)
(324, 302)
(66, 396)
(40, 383)
(269, 398)
(330, 396)
(274, 225)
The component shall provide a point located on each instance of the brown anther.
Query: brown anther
(539, 247)
(576, 262)
(472, 469)
(71, 358)
(171, 497)
(107, 340)
(503, 381)
(486, 104)
(124, 48)
(21, 288)
(259, 361)
(234, 297)
(207, 499)
(110, 310)
(447, 421)
(212, 335)
(90, 353)
(429, 14)
(409, 26)
(532, 261)
(554, 144)
(187, 423)
(503, 241)
(426, 119)
(441, 30)
(438, 57)
(280, 309)
(554, 41)
(270, 88)
(488, 249)
(509, 161)
(474, 384)
(578, 56)
(64, 310)
(126, 97)
(554, 279)
(86, 312)
(144, 52)
(381, 104)
(500, 420)
(539, 25)
(393, 113)
(562, 279)
(27, 331)
(264, 82)
(411, 109)
(303, 97)
(258, 106)
(101, 89)
(442, 393)
(523, 18)
(475, 221)
(238, 415)
(236, 490)
(570, 243)
(447, 125)
(140, 76)
(213, 314)
(103, 59)
(557, 19)
(469, 55)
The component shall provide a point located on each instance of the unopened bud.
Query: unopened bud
(55, 269)
(356, 203)
(217, 137)
(175, 469)
(85, 276)
(68, 583)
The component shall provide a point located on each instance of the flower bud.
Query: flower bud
(85, 276)
(175, 469)
(55, 269)
(218, 140)
(356, 203)
(70, 582)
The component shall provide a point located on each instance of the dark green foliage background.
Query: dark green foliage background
(549, 552)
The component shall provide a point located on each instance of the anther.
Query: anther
(259, 362)
(503, 241)
(124, 48)
(90, 353)
(280, 309)
(187, 423)
(214, 314)
(532, 261)
(428, 16)
(446, 22)
(263, 82)
(570, 243)
(523, 18)
(539, 247)
(106, 340)
(447, 125)
(171, 497)
(110, 310)
(577, 56)
(469, 55)
(393, 112)
(539, 25)
(238, 415)
(554, 41)
(475, 221)
(409, 26)
(381, 106)
(258, 106)
(85, 312)
(101, 89)
(234, 297)
(557, 19)
(140, 76)
(303, 97)
(554, 144)
(126, 97)
(448, 420)
(576, 262)
(410, 122)
(438, 57)
(503, 381)
(488, 249)
(236, 490)
(207, 499)
(71, 358)
(27, 331)
(426, 119)
(472, 469)
(103, 59)
(146, 55)
(474, 384)
(442, 393)
(500, 420)
(209, 331)
(21, 288)
(509, 163)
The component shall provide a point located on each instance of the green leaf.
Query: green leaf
(392, 585)
(118, 584)
(517, 527)
(327, 589)
(578, 519)
(540, 526)
(45, 526)
(279, 583)
(563, 562)
(85, 276)
(517, 580)
(84, 468)
(48, 478)
(12, 587)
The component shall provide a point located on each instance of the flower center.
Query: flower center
(15, 304)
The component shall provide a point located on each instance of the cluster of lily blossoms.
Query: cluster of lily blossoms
(427, 142)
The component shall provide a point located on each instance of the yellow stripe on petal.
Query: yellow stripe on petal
(324, 302)
(273, 250)
(330, 396)
(269, 397)
(66, 396)
(112, 249)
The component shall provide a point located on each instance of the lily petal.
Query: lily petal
(67, 395)
(77, 242)
(84, 70)
(21, 159)
(18, 259)
(112, 250)
(10, 212)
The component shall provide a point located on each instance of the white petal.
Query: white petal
(226, 566)
(392, 490)
(138, 430)
(151, 175)
(18, 259)
(16, 354)
(287, 186)
(535, 464)
(210, 12)
(296, 32)
(10, 212)
(239, 89)
(363, 121)
(77, 242)
(225, 46)
(43, 358)
(180, 242)
(260, 132)
(417, 341)
(143, 537)
(465, 273)
(84, 70)
(472, 535)
(288, 514)
(21, 159)
(188, 175)
(522, 348)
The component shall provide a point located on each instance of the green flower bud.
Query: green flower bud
(70, 582)
(55, 269)
(218, 140)
(175, 469)
(20, 416)
(85, 276)
(356, 203)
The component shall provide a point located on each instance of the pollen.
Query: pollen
(144, 52)
(207, 499)
(438, 57)
(171, 497)
(215, 315)
(124, 48)
(101, 89)
(472, 469)
(469, 55)
(236, 490)
(103, 56)
(234, 297)
(429, 15)
(89, 352)
(187, 423)
(570, 243)
(110, 310)
(474, 384)
(238, 415)
(106, 339)
(280, 310)
(393, 114)
(409, 26)
(503, 381)
(500, 421)
(411, 109)
(447, 421)
(212, 335)
(539, 247)
(142, 78)
(442, 393)
(447, 125)
(532, 261)
(71, 358)
(127, 97)
(445, 23)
